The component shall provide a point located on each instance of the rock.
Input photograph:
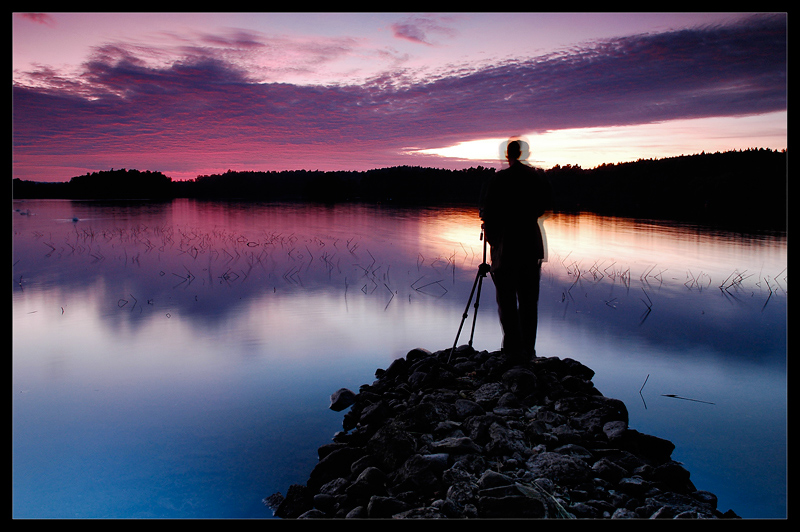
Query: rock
(397, 370)
(359, 512)
(341, 399)
(608, 470)
(521, 381)
(421, 513)
(462, 493)
(615, 431)
(374, 413)
(448, 428)
(488, 394)
(635, 486)
(511, 502)
(505, 441)
(273, 501)
(583, 510)
(420, 379)
(463, 434)
(325, 503)
(417, 354)
(560, 468)
(463, 445)
(707, 498)
(362, 463)
(653, 447)
(336, 486)
(466, 408)
(382, 507)
(623, 513)
(371, 481)
(477, 427)
(493, 479)
(392, 445)
(576, 451)
(576, 369)
(421, 473)
(334, 465)
(328, 448)
(425, 417)
(298, 500)
(673, 475)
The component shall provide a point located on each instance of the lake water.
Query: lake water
(175, 360)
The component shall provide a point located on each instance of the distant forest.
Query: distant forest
(735, 187)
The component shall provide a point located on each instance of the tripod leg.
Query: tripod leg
(475, 314)
(464, 316)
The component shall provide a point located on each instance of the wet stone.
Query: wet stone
(468, 434)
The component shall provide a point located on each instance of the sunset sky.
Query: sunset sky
(188, 94)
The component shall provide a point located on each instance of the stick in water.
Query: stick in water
(685, 398)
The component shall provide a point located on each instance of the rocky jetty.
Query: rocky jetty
(468, 434)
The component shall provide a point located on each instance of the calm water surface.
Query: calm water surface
(175, 360)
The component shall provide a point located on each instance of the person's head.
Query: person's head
(516, 150)
(513, 151)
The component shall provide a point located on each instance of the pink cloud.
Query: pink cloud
(419, 29)
(207, 110)
(39, 18)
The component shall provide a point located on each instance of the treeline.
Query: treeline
(400, 184)
(111, 184)
(735, 186)
(747, 187)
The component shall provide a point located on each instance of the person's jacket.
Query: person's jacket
(512, 201)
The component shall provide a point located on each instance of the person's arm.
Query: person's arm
(545, 193)
(488, 210)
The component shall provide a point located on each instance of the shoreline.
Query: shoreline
(474, 436)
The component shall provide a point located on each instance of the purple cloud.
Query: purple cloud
(207, 105)
(39, 18)
(418, 29)
(716, 71)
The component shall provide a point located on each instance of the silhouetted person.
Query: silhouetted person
(513, 200)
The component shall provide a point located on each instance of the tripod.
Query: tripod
(483, 269)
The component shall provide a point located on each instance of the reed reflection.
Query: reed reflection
(211, 262)
(205, 260)
(668, 284)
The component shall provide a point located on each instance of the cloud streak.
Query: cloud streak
(39, 18)
(420, 30)
(214, 106)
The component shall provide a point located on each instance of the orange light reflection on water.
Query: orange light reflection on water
(673, 252)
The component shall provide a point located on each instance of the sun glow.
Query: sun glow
(591, 147)
(478, 150)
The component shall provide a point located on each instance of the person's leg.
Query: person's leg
(506, 295)
(529, 307)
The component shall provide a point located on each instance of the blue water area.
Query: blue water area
(175, 360)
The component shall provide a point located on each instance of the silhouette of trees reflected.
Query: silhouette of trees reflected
(731, 187)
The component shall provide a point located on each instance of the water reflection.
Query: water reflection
(214, 332)
(204, 261)
(679, 286)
